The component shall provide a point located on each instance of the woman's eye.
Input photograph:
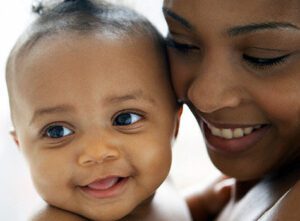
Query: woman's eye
(183, 48)
(125, 119)
(58, 131)
(265, 62)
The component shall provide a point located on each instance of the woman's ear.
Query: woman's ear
(13, 134)
(179, 113)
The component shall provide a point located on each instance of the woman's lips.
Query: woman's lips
(106, 187)
(233, 139)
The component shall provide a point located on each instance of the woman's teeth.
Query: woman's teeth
(229, 133)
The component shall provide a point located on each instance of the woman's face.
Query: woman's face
(237, 65)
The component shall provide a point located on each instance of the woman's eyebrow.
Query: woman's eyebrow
(182, 21)
(235, 31)
(246, 29)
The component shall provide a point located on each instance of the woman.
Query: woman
(236, 64)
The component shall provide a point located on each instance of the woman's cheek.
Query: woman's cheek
(181, 74)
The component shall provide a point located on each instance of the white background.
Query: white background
(191, 165)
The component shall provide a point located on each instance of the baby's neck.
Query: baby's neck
(166, 205)
(141, 212)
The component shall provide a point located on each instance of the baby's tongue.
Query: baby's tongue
(104, 183)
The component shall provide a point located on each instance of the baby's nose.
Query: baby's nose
(98, 152)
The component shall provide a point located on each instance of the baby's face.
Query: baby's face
(95, 119)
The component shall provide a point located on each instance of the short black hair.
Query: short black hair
(84, 16)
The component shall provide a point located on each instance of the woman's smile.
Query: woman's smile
(233, 138)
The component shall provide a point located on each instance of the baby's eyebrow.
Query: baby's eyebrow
(64, 108)
(51, 110)
(246, 29)
(135, 95)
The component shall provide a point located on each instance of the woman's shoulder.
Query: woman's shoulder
(287, 207)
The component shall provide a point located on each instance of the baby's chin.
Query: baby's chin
(123, 212)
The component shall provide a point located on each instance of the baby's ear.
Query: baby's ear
(179, 113)
(13, 134)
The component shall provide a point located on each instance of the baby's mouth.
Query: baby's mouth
(104, 184)
(105, 187)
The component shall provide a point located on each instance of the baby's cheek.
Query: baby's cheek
(159, 162)
(49, 174)
(54, 188)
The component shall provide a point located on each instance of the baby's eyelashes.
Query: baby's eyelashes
(57, 131)
(127, 118)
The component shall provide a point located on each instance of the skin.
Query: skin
(85, 83)
(49, 213)
(216, 70)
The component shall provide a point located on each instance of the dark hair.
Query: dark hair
(85, 16)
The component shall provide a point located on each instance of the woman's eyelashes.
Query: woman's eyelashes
(181, 47)
(126, 119)
(258, 62)
(57, 131)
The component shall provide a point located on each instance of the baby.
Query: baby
(93, 110)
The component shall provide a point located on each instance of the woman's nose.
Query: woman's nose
(97, 151)
(216, 87)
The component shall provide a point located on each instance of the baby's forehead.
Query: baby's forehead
(77, 48)
(81, 65)
(37, 39)
(85, 43)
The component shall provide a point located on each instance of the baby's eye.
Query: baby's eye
(58, 131)
(125, 119)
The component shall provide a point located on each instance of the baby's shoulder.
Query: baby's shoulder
(168, 205)
(286, 208)
(49, 213)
